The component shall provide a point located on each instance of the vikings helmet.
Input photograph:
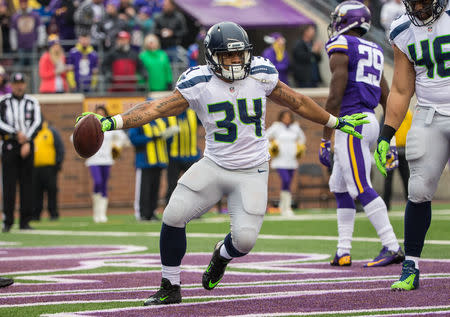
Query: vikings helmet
(228, 37)
(349, 15)
(430, 12)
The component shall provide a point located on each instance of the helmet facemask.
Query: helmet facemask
(228, 70)
(430, 11)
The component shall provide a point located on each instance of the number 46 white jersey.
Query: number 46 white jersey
(428, 47)
(233, 114)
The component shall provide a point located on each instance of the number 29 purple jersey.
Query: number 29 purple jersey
(365, 68)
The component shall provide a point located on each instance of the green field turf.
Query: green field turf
(218, 226)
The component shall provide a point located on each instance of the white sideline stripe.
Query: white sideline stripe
(340, 312)
(4, 243)
(207, 235)
(252, 285)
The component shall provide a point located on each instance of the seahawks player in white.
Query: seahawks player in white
(421, 41)
(229, 96)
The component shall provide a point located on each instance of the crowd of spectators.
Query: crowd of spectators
(67, 36)
(119, 45)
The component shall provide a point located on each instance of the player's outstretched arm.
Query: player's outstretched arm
(403, 85)
(307, 108)
(144, 112)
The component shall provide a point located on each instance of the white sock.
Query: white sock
(224, 253)
(414, 259)
(172, 273)
(376, 211)
(346, 222)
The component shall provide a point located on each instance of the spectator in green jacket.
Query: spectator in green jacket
(157, 64)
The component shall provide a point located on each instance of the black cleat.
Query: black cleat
(216, 268)
(5, 281)
(167, 294)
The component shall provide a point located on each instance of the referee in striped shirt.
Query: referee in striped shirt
(20, 121)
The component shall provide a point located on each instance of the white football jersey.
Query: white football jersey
(428, 47)
(233, 114)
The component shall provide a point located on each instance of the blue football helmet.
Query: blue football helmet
(227, 37)
(431, 10)
(349, 15)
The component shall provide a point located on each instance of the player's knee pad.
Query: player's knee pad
(419, 190)
(173, 213)
(245, 239)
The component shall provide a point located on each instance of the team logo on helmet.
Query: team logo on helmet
(349, 15)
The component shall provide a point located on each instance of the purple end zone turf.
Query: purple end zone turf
(294, 291)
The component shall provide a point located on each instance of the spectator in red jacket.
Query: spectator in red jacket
(122, 64)
(52, 68)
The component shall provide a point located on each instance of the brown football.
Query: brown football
(88, 136)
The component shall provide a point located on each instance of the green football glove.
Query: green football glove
(347, 124)
(380, 154)
(107, 123)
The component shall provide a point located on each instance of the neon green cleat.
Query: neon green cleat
(216, 269)
(409, 279)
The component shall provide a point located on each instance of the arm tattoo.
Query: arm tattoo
(289, 99)
(150, 110)
(164, 103)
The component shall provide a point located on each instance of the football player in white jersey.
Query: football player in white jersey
(421, 40)
(229, 96)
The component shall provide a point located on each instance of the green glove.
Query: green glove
(107, 123)
(380, 154)
(347, 124)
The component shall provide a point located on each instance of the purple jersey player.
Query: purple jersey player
(84, 61)
(357, 85)
(364, 67)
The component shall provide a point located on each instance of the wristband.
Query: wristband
(119, 121)
(387, 133)
(332, 122)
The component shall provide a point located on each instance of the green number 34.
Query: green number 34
(440, 56)
(227, 123)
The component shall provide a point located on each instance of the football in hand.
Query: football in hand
(88, 136)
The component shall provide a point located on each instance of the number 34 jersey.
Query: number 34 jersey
(233, 114)
(365, 68)
(428, 48)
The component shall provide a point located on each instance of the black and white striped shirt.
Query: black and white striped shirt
(20, 115)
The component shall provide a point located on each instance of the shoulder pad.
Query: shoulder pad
(339, 41)
(262, 65)
(398, 26)
(194, 76)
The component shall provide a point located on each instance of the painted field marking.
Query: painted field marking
(275, 267)
(253, 285)
(273, 296)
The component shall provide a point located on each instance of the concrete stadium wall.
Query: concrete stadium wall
(75, 184)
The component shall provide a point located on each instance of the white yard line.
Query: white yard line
(253, 285)
(205, 235)
(252, 297)
(392, 311)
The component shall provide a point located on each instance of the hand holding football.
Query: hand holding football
(88, 136)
